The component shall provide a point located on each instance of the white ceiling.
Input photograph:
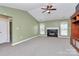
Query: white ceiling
(64, 10)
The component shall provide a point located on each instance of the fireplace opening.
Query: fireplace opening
(52, 32)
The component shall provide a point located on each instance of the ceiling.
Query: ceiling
(64, 10)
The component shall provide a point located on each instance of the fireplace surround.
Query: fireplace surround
(53, 32)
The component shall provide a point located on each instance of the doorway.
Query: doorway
(5, 30)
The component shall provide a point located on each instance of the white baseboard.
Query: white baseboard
(64, 37)
(24, 40)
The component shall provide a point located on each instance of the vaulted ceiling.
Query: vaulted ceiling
(64, 10)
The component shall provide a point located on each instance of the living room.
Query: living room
(37, 29)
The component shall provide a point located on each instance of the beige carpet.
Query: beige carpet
(40, 46)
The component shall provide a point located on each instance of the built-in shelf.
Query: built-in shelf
(75, 21)
(75, 30)
(75, 14)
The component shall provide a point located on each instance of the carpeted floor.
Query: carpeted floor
(40, 46)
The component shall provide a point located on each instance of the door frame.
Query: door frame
(10, 31)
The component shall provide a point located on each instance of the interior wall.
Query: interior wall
(23, 24)
(56, 23)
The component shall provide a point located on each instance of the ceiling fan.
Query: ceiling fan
(48, 8)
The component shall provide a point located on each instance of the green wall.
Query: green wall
(23, 24)
(56, 23)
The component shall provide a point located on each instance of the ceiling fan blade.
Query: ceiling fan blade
(44, 11)
(53, 9)
(44, 8)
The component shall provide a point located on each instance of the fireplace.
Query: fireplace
(52, 32)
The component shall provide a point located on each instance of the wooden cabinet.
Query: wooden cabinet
(75, 30)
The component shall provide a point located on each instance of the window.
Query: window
(64, 29)
(42, 29)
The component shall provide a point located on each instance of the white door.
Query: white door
(4, 37)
